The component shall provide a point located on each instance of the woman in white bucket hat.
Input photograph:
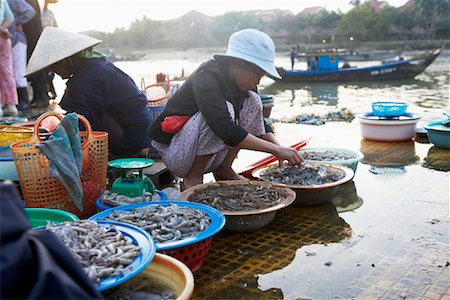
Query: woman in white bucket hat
(222, 113)
(96, 89)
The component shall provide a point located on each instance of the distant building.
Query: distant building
(312, 10)
(407, 6)
(378, 5)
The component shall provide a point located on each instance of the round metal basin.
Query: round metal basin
(313, 194)
(250, 220)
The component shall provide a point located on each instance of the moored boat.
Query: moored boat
(324, 67)
(349, 55)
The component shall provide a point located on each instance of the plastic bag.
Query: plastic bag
(173, 124)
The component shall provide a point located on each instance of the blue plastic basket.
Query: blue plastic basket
(389, 109)
(141, 239)
(155, 111)
(217, 221)
(102, 207)
(192, 250)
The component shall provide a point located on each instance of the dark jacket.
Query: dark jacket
(103, 94)
(206, 90)
(35, 264)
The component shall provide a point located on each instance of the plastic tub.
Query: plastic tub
(41, 216)
(102, 207)
(8, 169)
(351, 163)
(438, 134)
(388, 130)
(164, 272)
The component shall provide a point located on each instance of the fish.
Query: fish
(101, 251)
(165, 223)
(326, 155)
(303, 175)
(242, 197)
(109, 198)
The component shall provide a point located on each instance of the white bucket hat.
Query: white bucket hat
(255, 47)
(54, 45)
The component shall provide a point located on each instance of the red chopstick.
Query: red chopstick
(270, 159)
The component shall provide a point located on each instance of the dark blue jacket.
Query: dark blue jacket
(101, 92)
(35, 264)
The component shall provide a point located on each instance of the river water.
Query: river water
(428, 93)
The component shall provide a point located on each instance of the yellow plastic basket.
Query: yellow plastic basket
(10, 134)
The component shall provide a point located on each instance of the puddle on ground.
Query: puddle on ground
(392, 242)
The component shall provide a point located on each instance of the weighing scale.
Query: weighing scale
(132, 184)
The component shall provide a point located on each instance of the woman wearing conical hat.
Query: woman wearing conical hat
(223, 113)
(96, 89)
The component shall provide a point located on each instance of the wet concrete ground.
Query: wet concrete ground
(385, 235)
(394, 244)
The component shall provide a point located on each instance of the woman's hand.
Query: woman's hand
(282, 153)
(289, 154)
(4, 33)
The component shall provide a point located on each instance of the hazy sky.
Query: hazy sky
(106, 15)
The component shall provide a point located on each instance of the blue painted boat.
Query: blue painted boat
(324, 67)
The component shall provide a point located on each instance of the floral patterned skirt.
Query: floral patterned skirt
(197, 139)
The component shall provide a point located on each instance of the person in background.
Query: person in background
(48, 19)
(23, 12)
(8, 93)
(293, 55)
(96, 89)
(32, 30)
(223, 113)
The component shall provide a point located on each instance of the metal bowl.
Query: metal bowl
(312, 194)
(250, 220)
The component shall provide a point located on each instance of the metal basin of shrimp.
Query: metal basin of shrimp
(313, 183)
(247, 205)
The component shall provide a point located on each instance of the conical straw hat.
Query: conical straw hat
(54, 45)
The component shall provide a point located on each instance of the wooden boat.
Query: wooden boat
(348, 55)
(369, 55)
(324, 67)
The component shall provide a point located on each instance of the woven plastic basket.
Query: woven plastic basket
(160, 101)
(389, 109)
(191, 255)
(156, 106)
(10, 134)
(40, 189)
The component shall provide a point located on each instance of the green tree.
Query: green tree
(433, 14)
(364, 24)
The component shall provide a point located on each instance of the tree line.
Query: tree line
(423, 19)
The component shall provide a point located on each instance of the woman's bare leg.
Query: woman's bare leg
(224, 171)
(195, 175)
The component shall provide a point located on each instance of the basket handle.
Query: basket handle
(84, 146)
(142, 84)
(83, 120)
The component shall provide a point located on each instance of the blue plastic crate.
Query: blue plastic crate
(389, 109)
